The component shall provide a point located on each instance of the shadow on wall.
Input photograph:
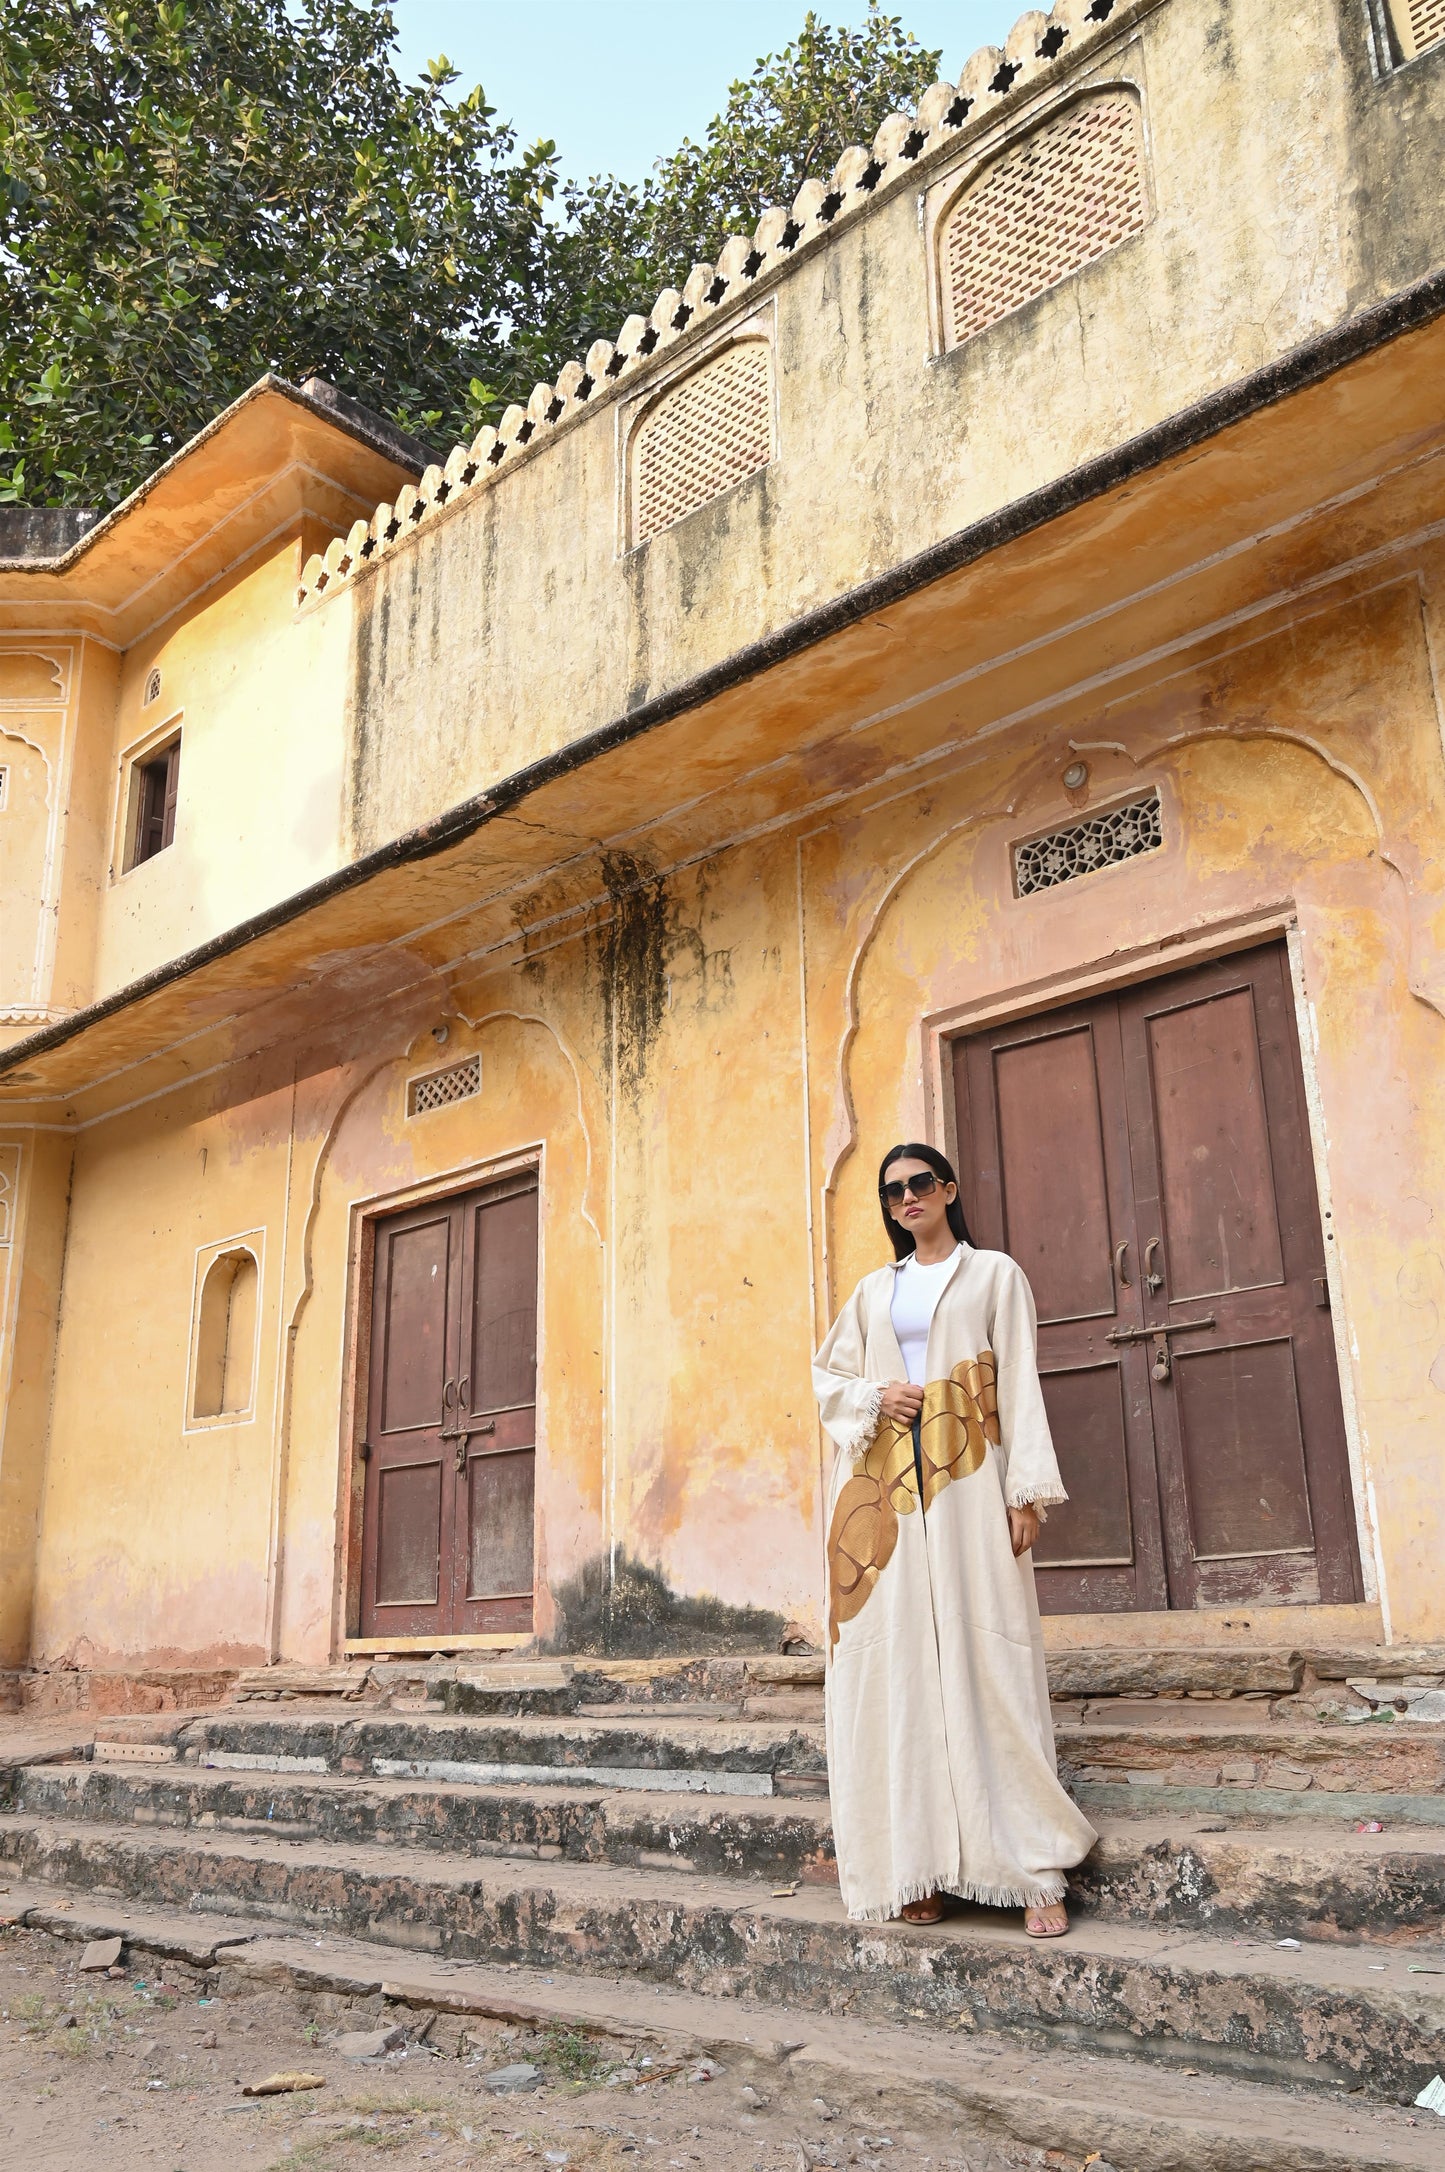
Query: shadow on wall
(635, 1614)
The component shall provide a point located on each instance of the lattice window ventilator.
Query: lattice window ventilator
(1078, 848)
(439, 1089)
(1067, 194)
(704, 436)
(1418, 25)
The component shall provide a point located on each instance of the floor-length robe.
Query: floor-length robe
(940, 1743)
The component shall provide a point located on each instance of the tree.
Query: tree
(193, 192)
(617, 246)
(196, 191)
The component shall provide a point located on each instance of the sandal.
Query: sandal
(923, 1911)
(1035, 1927)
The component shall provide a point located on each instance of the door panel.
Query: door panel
(409, 1521)
(1049, 1088)
(415, 1356)
(1155, 1145)
(1093, 1528)
(447, 1541)
(1221, 1231)
(500, 1525)
(498, 1418)
(1056, 1195)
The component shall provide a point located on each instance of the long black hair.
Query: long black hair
(912, 1150)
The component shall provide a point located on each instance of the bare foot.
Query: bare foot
(924, 1911)
(1048, 1922)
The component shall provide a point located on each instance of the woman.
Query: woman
(940, 1744)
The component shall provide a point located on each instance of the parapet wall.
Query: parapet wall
(1123, 210)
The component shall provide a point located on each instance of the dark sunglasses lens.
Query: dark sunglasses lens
(920, 1186)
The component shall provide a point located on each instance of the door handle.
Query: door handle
(1154, 1334)
(1121, 1253)
(1153, 1280)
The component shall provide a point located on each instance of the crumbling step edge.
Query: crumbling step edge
(1052, 2106)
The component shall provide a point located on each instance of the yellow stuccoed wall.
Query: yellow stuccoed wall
(1303, 784)
(706, 1062)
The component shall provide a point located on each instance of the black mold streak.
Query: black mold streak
(636, 1614)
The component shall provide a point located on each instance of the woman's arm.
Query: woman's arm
(850, 1405)
(1031, 1468)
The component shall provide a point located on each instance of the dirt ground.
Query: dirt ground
(141, 2072)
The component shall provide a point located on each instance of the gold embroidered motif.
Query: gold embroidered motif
(959, 1421)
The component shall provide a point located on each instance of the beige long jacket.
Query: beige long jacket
(940, 1743)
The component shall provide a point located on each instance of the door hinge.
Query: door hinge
(1322, 1293)
(364, 1452)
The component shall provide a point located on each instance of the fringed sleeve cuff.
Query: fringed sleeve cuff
(856, 1443)
(1020, 1494)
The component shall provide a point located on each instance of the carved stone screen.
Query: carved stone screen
(1098, 840)
(702, 437)
(440, 1088)
(1418, 24)
(1065, 195)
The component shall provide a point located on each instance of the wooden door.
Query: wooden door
(1146, 1159)
(451, 1438)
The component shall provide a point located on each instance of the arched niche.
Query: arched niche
(224, 1376)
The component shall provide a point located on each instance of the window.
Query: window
(702, 437)
(1097, 840)
(153, 687)
(1065, 195)
(226, 1337)
(154, 783)
(1416, 26)
(4, 787)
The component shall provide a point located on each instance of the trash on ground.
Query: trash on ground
(1369, 1825)
(785, 1892)
(1432, 2096)
(1426, 1968)
(283, 2085)
(511, 2080)
(1289, 1945)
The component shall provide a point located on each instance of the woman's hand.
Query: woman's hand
(1023, 1528)
(901, 1402)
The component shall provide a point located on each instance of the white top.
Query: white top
(916, 1290)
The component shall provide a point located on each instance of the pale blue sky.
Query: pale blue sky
(619, 83)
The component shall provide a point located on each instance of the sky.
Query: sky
(619, 83)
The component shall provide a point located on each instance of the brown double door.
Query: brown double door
(451, 1435)
(1146, 1159)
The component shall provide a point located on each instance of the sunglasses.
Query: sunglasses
(921, 1185)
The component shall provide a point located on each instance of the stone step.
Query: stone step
(704, 1755)
(1321, 2016)
(1310, 1880)
(1218, 1761)
(999, 2102)
(756, 1838)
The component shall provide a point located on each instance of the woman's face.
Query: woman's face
(925, 1218)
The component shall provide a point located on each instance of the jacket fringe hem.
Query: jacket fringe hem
(1041, 1497)
(864, 1433)
(1040, 1894)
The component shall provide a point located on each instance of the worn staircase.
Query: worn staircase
(1256, 1974)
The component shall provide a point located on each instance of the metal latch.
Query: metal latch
(1163, 1365)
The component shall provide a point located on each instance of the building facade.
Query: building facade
(967, 667)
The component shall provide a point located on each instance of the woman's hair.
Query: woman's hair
(901, 1238)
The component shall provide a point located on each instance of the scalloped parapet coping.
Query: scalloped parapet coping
(992, 78)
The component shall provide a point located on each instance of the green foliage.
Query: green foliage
(791, 120)
(193, 192)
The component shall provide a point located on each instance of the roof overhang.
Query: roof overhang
(277, 454)
(1239, 508)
